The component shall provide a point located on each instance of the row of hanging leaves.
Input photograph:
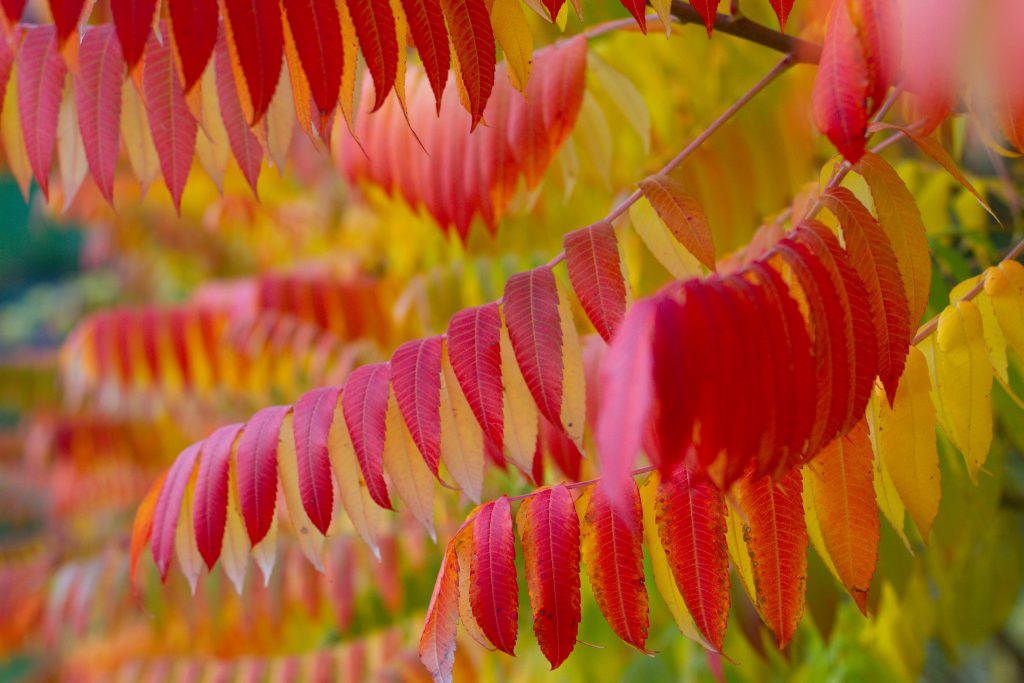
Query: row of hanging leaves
(197, 77)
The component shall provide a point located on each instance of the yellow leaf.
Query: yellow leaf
(663, 578)
(669, 252)
(885, 491)
(739, 553)
(663, 8)
(70, 151)
(464, 555)
(265, 552)
(14, 142)
(1004, 284)
(626, 97)
(234, 556)
(402, 35)
(962, 382)
(814, 524)
(137, 138)
(366, 516)
(906, 443)
(462, 440)
(350, 53)
(185, 548)
(520, 412)
(513, 35)
(409, 474)
(573, 411)
(280, 121)
(594, 136)
(212, 146)
(995, 340)
(310, 539)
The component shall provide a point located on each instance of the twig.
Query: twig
(801, 51)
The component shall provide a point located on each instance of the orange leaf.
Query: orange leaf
(682, 214)
(469, 25)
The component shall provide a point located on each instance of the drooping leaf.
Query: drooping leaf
(841, 86)
(244, 144)
(310, 539)
(877, 25)
(906, 444)
(209, 514)
(409, 475)
(437, 642)
(901, 220)
(1004, 284)
(682, 214)
(658, 239)
(708, 10)
(364, 403)
(142, 529)
(638, 8)
(613, 554)
(98, 101)
(168, 507)
(71, 162)
(691, 524)
(530, 304)
(573, 410)
(41, 72)
(236, 547)
(469, 26)
(194, 30)
(462, 439)
(776, 538)
(366, 516)
(13, 9)
(872, 256)
(375, 26)
(429, 35)
(317, 31)
(416, 381)
(841, 484)
(513, 35)
(782, 9)
(311, 424)
(257, 41)
(592, 259)
(550, 535)
(138, 141)
(171, 123)
(257, 470)
(520, 425)
(473, 349)
(627, 380)
(494, 591)
(133, 20)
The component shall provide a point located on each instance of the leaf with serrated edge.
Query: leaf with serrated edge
(409, 475)
(494, 590)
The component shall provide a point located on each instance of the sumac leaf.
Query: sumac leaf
(494, 593)
(98, 101)
(595, 270)
(311, 424)
(257, 470)
(416, 381)
(257, 37)
(475, 354)
(194, 30)
(209, 512)
(133, 20)
(364, 404)
(41, 73)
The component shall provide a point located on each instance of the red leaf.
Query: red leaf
(41, 73)
(429, 35)
(244, 144)
(257, 470)
(614, 558)
(777, 542)
(194, 29)
(561, 449)
(473, 347)
(98, 101)
(256, 32)
(691, 523)
(627, 382)
(209, 513)
(841, 479)
(375, 28)
(860, 333)
(841, 86)
(638, 8)
(437, 642)
(416, 381)
(469, 26)
(550, 535)
(872, 256)
(168, 508)
(592, 259)
(133, 20)
(313, 415)
(364, 403)
(682, 214)
(782, 9)
(8, 46)
(317, 30)
(170, 121)
(530, 304)
(553, 7)
(142, 529)
(877, 24)
(708, 10)
(494, 592)
(66, 15)
(13, 9)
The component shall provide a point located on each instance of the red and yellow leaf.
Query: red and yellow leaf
(613, 554)
(257, 470)
(494, 591)
(416, 381)
(257, 39)
(364, 404)
(375, 27)
(313, 415)
(474, 351)
(142, 529)
(550, 535)
(437, 641)
(209, 513)
(469, 26)
(595, 271)
(316, 28)
(691, 524)
(66, 16)
(245, 146)
(168, 508)
(683, 216)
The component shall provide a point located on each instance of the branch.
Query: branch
(801, 51)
